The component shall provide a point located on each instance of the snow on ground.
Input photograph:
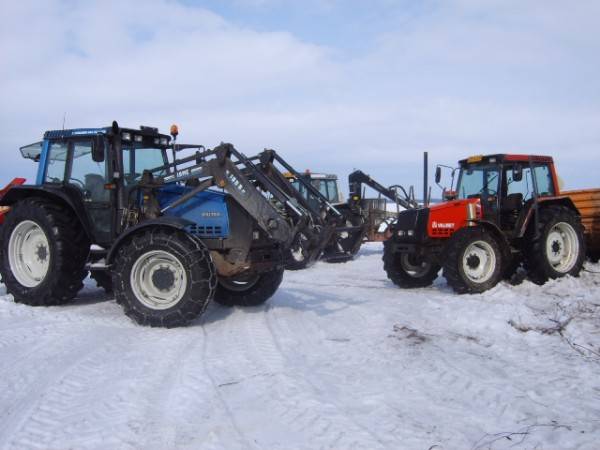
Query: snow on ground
(339, 359)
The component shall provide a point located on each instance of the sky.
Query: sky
(332, 85)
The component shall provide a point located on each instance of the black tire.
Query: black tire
(537, 261)
(404, 271)
(103, 280)
(184, 253)
(476, 241)
(67, 252)
(250, 290)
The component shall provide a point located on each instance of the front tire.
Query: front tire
(44, 251)
(248, 289)
(472, 261)
(405, 271)
(559, 248)
(163, 278)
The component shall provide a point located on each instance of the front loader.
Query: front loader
(332, 235)
(166, 233)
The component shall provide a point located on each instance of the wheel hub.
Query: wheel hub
(163, 278)
(473, 261)
(42, 252)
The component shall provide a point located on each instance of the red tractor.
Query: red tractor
(506, 211)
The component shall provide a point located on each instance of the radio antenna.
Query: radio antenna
(64, 120)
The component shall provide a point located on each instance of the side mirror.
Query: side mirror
(517, 173)
(438, 174)
(98, 148)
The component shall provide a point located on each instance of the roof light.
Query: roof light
(475, 159)
(137, 138)
(174, 131)
(126, 136)
(156, 141)
(164, 141)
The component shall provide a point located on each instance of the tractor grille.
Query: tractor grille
(205, 230)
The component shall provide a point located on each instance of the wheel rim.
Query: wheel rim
(240, 283)
(158, 280)
(562, 247)
(479, 261)
(29, 254)
(414, 268)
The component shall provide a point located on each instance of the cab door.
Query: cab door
(89, 178)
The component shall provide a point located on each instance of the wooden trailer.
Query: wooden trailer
(587, 202)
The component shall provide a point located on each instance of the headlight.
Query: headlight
(411, 232)
(126, 136)
(164, 141)
(400, 233)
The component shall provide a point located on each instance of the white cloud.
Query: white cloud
(457, 78)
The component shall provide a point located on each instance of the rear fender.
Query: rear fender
(528, 213)
(60, 195)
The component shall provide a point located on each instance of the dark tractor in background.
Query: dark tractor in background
(167, 234)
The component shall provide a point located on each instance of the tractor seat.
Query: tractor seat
(94, 184)
(513, 202)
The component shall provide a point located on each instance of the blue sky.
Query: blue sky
(333, 85)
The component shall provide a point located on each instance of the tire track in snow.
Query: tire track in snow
(261, 382)
(21, 399)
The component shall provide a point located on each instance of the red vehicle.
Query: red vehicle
(506, 211)
(5, 209)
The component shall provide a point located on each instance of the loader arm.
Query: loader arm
(357, 178)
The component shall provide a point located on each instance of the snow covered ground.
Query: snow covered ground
(338, 359)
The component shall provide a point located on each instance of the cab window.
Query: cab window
(56, 162)
(86, 174)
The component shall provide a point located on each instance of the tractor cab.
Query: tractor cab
(94, 164)
(504, 185)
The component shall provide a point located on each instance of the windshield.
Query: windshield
(478, 180)
(137, 159)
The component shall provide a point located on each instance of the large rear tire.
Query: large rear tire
(163, 278)
(473, 261)
(248, 290)
(407, 271)
(558, 247)
(44, 251)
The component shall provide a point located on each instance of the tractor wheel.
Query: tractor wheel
(408, 271)
(559, 248)
(163, 278)
(44, 251)
(248, 289)
(103, 280)
(472, 261)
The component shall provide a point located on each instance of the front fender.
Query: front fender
(176, 223)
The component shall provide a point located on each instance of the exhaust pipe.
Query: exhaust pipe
(425, 180)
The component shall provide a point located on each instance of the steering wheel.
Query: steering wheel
(83, 186)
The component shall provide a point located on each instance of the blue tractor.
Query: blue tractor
(166, 233)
